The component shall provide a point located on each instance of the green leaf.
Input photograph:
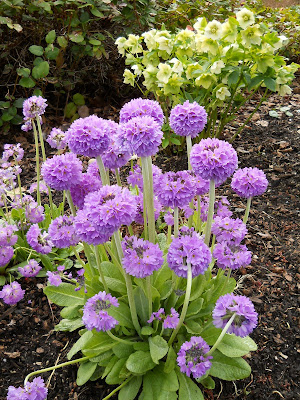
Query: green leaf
(2, 280)
(78, 99)
(255, 81)
(193, 327)
(188, 390)
(270, 84)
(27, 82)
(17, 120)
(47, 262)
(233, 77)
(62, 41)
(166, 290)
(79, 344)
(50, 37)
(198, 285)
(19, 102)
(207, 382)
(64, 295)
(171, 361)
(160, 385)
(122, 314)
(98, 344)
(229, 369)
(36, 50)
(97, 13)
(129, 391)
(25, 72)
(85, 371)
(41, 70)
(113, 377)
(235, 346)
(123, 350)
(70, 110)
(174, 140)
(158, 348)
(194, 307)
(147, 330)
(141, 303)
(70, 312)
(69, 325)
(76, 37)
(140, 362)
(51, 52)
(165, 143)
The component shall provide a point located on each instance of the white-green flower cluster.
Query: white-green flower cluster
(212, 61)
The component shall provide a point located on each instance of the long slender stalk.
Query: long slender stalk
(117, 339)
(210, 213)
(189, 148)
(185, 304)
(118, 177)
(148, 195)
(98, 261)
(77, 256)
(176, 222)
(70, 201)
(222, 334)
(149, 293)
(103, 174)
(41, 371)
(118, 388)
(37, 162)
(199, 221)
(246, 216)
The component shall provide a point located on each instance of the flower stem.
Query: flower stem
(98, 261)
(37, 162)
(104, 178)
(176, 228)
(70, 201)
(149, 293)
(246, 216)
(118, 388)
(210, 213)
(148, 195)
(77, 256)
(185, 304)
(117, 339)
(199, 222)
(222, 334)
(118, 177)
(189, 148)
(40, 371)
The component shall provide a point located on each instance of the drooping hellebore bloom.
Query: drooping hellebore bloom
(95, 313)
(192, 358)
(246, 316)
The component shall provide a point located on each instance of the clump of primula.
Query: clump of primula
(57, 139)
(249, 182)
(62, 232)
(188, 119)
(12, 293)
(38, 240)
(35, 390)
(140, 107)
(30, 270)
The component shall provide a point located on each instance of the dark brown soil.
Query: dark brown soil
(27, 337)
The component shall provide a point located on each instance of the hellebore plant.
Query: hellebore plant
(219, 65)
(155, 312)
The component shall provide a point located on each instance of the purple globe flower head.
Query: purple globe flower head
(36, 390)
(229, 230)
(27, 126)
(40, 242)
(188, 119)
(188, 247)
(111, 207)
(62, 232)
(26, 200)
(57, 139)
(188, 210)
(176, 189)
(114, 157)
(80, 280)
(89, 136)
(30, 270)
(157, 315)
(142, 135)
(192, 357)
(7, 234)
(6, 254)
(16, 393)
(13, 151)
(221, 209)
(231, 256)
(169, 219)
(202, 185)
(249, 182)
(214, 159)
(12, 293)
(34, 213)
(89, 231)
(63, 171)
(54, 278)
(95, 314)
(172, 320)
(43, 188)
(88, 183)
(34, 106)
(139, 217)
(93, 169)
(140, 107)
(246, 317)
(141, 257)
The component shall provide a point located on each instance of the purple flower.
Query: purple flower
(139, 217)
(89, 136)
(229, 230)
(7, 234)
(140, 107)
(30, 270)
(88, 183)
(141, 257)
(36, 389)
(95, 313)
(6, 254)
(40, 242)
(249, 182)
(169, 219)
(231, 256)
(176, 189)
(57, 139)
(89, 231)
(27, 126)
(80, 280)
(34, 213)
(188, 247)
(62, 232)
(34, 106)
(213, 159)
(192, 358)
(135, 177)
(141, 136)
(221, 208)
(12, 293)
(202, 185)
(16, 393)
(13, 151)
(62, 171)
(246, 316)
(93, 169)
(171, 321)
(114, 157)
(43, 188)
(111, 207)
(158, 315)
(26, 200)
(54, 278)
(188, 119)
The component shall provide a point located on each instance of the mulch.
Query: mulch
(28, 340)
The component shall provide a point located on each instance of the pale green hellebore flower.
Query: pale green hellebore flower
(129, 77)
(245, 18)
(217, 66)
(222, 93)
(213, 30)
(133, 43)
(200, 24)
(149, 39)
(229, 32)
(121, 43)
(251, 35)
(164, 72)
(284, 90)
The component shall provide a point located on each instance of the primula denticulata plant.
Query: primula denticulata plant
(155, 312)
(219, 65)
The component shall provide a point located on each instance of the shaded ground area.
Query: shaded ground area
(27, 337)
